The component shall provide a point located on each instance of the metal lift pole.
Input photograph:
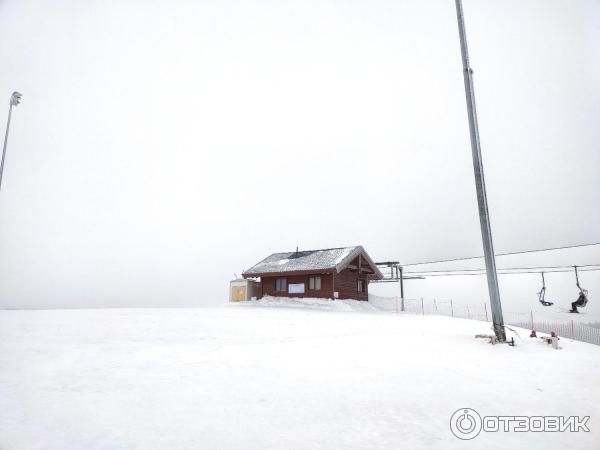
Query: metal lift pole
(401, 280)
(15, 99)
(484, 219)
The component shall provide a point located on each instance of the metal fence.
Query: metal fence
(567, 329)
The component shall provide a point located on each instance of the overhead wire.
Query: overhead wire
(503, 254)
(570, 267)
(461, 273)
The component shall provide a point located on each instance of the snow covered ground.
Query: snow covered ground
(278, 375)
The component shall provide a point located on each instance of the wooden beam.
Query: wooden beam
(364, 269)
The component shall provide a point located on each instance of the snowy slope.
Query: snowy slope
(261, 376)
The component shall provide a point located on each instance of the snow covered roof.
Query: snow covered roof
(328, 259)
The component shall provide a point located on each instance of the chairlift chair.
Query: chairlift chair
(542, 293)
(582, 292)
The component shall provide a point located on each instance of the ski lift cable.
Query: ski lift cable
(501, 268)
(515, 270)
(503, 254)
(451, 274)
(427, 274)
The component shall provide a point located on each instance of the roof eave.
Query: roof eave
(287, 273)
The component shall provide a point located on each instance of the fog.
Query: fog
(162, 147)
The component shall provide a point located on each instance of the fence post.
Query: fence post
(531, 314)
(435, 305)
(572, 330)
(422, 307)
(485, 308)
(451, 308)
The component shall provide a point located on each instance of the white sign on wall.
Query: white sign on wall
(296, 288)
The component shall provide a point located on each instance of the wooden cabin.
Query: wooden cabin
(327, 273)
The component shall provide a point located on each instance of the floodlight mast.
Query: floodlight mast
(484, 218)
(15, 99)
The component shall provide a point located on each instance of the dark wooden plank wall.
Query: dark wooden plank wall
(326, 291)
(346, 283)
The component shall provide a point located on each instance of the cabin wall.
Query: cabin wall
(346, 283)
(326, 291)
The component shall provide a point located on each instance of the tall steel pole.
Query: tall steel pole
(484, 218)
(401, 279)
(15, 99)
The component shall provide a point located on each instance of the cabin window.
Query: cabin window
(281, 284)
(361, 285)
(314, 283)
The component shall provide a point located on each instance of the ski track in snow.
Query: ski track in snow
(278, 374)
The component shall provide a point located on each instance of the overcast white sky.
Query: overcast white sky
(162, 147)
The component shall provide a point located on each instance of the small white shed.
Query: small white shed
(241, 290)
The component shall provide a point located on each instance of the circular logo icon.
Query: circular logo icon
(465, 423)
